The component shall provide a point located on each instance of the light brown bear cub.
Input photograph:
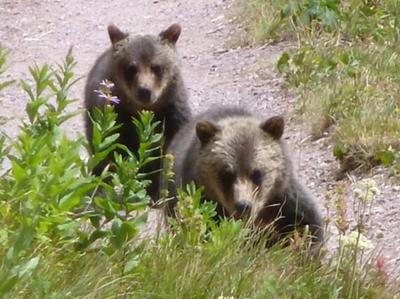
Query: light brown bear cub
(145, 73)
(244, 166)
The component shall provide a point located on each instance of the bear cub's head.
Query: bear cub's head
(143, 65)
(241, 163)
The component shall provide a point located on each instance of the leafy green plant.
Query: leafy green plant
(48, 197)
(41, 187)
(3, 60)
(304, 13)
(123, 191)
(194, 219)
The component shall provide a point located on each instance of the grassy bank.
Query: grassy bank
(344, 67)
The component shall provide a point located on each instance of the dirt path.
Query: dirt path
(43, 30)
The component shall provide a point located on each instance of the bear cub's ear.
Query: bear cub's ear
(274, 126)
(115, 34)
(171, 34)
(206, 130)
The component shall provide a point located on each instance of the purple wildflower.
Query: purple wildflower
(105, 92)
(101, 94)
(114, 100)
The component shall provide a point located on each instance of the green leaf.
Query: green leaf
(128, 230)
(7, 282)
(67, 116)
(108, 141)
(117, 238)
(100, 156)
(339, 152)
(122, 232)
(83, 241)
(386, 157)
(271, 286)
(105, 204)
(6, 83)
(29, 267)
(140, 219)
(329, 18)
(283, 63)
(96, 135)
(68, 228)
(141, 197)
(288, 10)
(138, 206)
(27, 88)
(32, 108)
(17, 171)
(97, 234)
(67, 202)
(95, 220)
(131, 264)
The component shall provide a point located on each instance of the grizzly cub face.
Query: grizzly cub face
(143, 66)
(241, 163)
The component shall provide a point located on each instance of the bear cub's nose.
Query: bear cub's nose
(144, 94)
(242, 208)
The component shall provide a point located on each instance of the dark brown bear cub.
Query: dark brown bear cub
(145, 73)
(244, 166)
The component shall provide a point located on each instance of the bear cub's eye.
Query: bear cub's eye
(227, 177)
(131, 71)
(256, 176)
(157, 70)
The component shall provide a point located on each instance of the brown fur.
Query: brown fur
(244, 166)
(146, 75)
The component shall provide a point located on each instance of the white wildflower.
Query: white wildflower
(351, 241)
(367, 191)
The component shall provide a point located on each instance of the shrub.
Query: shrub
(49, 200)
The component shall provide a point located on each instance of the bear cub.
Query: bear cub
(244, 166)
(145, 73)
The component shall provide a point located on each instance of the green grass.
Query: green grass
(224, 265)
(345, 69)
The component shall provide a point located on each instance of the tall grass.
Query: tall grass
(202, 259)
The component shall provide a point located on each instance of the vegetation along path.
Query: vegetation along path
(216, 69)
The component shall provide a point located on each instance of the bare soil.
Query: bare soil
(215, 74)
